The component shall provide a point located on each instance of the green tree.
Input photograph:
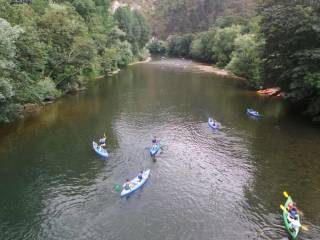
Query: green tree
(135, 26)
(109, 61)
(179, 45)
(125, 55)
(246, 59)
(292, 56)
(60, 46)
(39, 6)
(188, 16)
(144, 28)
(224, 44)
(8, 84)
(157, 47)
(86, 8)
(59, 28)
(201, 47)
(31, 56)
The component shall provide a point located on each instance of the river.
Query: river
(205, 184)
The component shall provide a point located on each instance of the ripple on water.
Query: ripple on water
(203, 185)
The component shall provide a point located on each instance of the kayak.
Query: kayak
(99, 150)
(136, 183)
(269, 91)
(253, 113)
(155, 149)
(292, 232)
(213, 124)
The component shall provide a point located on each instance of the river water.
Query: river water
(205, 184)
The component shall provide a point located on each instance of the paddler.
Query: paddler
(140, 176)
(103, 140)
(127, 185)
(292, 217)
(294, 224)
(154, 141)
(293, 210)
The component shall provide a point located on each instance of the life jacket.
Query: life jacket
(127, 186)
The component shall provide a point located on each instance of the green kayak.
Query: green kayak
(293, 231)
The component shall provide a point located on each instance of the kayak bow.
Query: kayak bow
(213, 124)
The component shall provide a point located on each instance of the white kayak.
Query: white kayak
(213, 124)
(135, 183)
(99, 150)
(155, 149)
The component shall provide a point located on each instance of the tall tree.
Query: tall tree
(292, 50)
(8, 37)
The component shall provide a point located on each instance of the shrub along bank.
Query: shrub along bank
(50, 49)
(280, 46)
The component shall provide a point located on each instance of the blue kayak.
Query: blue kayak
(136, 183)
(155, 149)
(99, 150)
(253, 113)
(213, 124)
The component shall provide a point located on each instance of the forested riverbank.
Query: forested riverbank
(278, 46)
(49, 49)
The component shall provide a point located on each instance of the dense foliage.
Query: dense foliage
(236, 47)
(47, 49)
(292, 51)
(157, 47)
(179, 45)
(185, 16)
(278, 47)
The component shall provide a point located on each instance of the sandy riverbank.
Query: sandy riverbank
(144, 61)
(215, 70)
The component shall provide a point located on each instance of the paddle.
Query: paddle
(303, 227)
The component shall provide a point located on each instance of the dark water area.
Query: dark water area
(205, 184)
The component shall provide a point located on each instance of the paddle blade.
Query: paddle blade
(285, 194)
(118, 188)
(300, 213)
(304, 228)
(283, 208)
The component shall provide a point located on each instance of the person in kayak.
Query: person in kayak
(127, 185)
(154, 141)
(140, 176)
(294, 223)
(293, 210)
(292, 217)
(103, 141)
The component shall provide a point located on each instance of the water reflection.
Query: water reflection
(205, 184)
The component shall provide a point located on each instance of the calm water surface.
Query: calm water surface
(205, 184)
